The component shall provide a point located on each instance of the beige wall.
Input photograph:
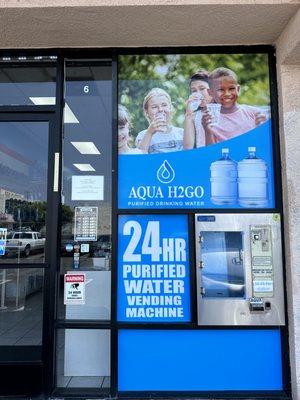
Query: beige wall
(288, 70)
(132, 23)
(289, 84)
(289, 77)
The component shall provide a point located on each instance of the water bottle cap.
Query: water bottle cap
(225, 151)
(251, 149)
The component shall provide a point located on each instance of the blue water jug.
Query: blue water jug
(252, 181)
(223, 180)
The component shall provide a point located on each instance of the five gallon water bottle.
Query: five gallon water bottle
(252, 181)
(223, 180)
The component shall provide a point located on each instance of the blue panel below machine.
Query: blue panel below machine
(199, 360)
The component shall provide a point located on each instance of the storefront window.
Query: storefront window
(83, 358)
(30, 85)
(86, 187)
(23, 191)
(21, 312)
(196, 234)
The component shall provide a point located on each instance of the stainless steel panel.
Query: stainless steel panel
(226, 310)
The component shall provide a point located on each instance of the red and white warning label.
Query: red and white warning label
(74, 290)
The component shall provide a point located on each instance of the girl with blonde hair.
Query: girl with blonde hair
(160, 136)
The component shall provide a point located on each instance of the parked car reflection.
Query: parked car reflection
(99, 248)
(24, 243)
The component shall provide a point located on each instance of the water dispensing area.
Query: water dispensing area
(239, 270)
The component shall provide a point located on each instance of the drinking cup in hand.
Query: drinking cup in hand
(214, 110)
(161, 116)
(195, 103)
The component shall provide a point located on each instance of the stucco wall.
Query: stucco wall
(133, 23)
(289, 84)
(288, 70)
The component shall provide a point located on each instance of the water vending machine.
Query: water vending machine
(239, 269)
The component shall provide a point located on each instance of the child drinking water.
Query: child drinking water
(194, 133)
(235, 119)
(160, 136)
(124, 125)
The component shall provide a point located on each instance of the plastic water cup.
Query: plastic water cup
(261, 113)
(162, 116)
(196, 102)
(214, 110)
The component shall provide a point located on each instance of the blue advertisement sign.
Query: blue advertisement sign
(206, 177)
(2, 247)
(193, 138)
(153, 268)
(3, 234)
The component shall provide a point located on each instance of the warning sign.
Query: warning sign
(74, 292)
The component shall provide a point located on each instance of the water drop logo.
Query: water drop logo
(165, 173)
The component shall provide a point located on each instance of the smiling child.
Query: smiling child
(160, 136)
(235, 119)
(194, 134)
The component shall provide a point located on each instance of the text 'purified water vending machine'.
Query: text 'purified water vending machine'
(239, 269)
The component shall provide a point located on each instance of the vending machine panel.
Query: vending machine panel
(239, 269)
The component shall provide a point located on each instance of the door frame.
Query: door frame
(33, 373)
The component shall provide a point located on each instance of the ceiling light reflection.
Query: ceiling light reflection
(84, 167)
(86, 147)
(69, 116)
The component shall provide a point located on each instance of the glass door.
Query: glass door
(26, 251)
